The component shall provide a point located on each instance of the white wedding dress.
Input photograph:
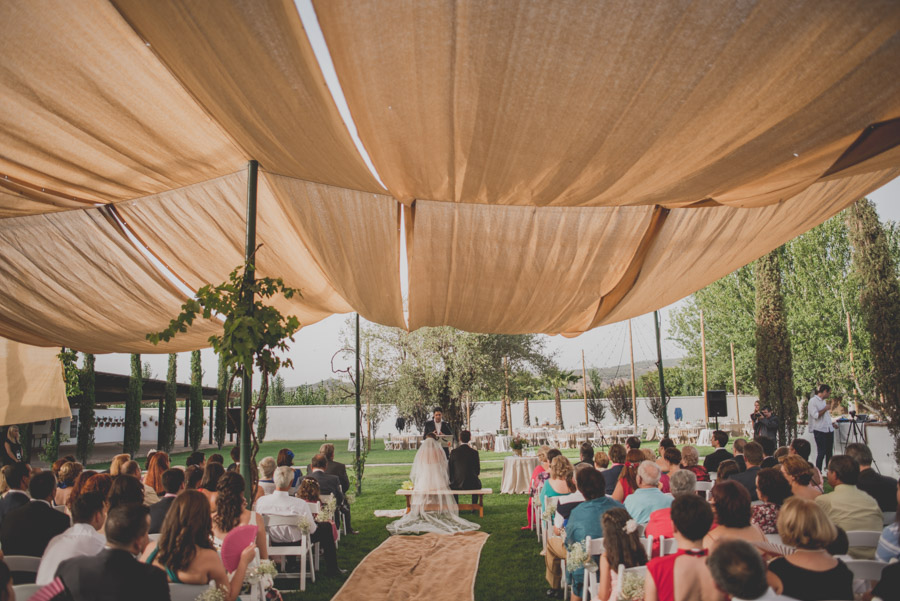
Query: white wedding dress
(432, 507)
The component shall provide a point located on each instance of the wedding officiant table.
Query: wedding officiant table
(516, 479)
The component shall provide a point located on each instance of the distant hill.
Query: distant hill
(610, 375)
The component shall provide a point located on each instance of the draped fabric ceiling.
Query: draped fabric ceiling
(560, 165)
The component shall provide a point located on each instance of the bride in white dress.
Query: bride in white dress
(432, 506)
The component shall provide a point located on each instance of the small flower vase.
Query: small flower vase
(518, 452)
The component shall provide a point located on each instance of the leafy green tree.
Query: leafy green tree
(559, 379)
(86, 422)
(132, 442)
(879, 298)
(221, 403)
(195, 424)
(774, 374)
(526, 386)
(166, 438)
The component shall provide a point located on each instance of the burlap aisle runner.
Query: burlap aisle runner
(437, 567)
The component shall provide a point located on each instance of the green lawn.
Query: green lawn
(511, 566)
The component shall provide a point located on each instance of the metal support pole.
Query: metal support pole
(160, 443)
(187, 420)
(662, 381)
(358, 408)
(247, 376)
(212, 405)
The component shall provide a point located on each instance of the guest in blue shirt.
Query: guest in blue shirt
(647, 498)
(889, 543)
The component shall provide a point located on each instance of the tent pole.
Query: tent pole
(247, 376)
(703, 351)
(587, 422)
(662, 382)
(634, 418)
(737, 407)
(358, 409)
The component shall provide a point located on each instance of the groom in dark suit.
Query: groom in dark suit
(438, 426)
(465, 466)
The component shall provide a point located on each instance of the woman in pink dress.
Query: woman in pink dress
(538, 476)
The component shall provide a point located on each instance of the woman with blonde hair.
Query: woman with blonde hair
(799, 474)
(621, 546)
(627, 483)
(67, 474)
(115, 466)
(156, 465)
(810, 573)
(537, 481)
(560, 481)
(12, 446)
(690, 460)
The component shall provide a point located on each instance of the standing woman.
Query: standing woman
(12, 447)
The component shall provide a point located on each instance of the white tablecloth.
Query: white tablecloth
(501, 444)
(517, 475)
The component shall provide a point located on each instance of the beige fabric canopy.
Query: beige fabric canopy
(562, 166)
(33, 386)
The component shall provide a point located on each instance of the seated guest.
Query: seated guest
(83, 538)
(280, 503)
(665, 443)
(193, 474)
(584, 521)
(235, 454)
(727, 468)
(731, 505)
(683, 576)
(18, 478)
(690, 458)
(266, 474)
(328, 483)
(768, 445)
(810, 573)
(286, 458)
(538, 475)
(560, 482)
(633, 442)
(77, 487)
(611, 474)
(627, 483)
(601, 460)
(669, 463)
(889, 543)
(197, 458)
(114, 573)
(739, 445)
(566, 503)
(101, 483)
(115, 466)
(772, 489)
(647, 498)
(26, 530)
(882, 488)
(719, 454)
(156, 465)
(586, 454)
(888, 585)
(799, 473)
(840, 546)
(125, 490)
(465, 466)
(6, 583)
(67, 474)
(212, 473)
(309, 492)
(216, 458)
(336, 468)
(621, 546)
(781, 453)
(753, 455)
(185, 550)
(231, 511)
(740, 572)
(847, 506)
(132, 469)
(173, 483)
(682, 482)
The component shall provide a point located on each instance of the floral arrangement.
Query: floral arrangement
(326, 514)
(518, 443)
(212, 594)
(630, 526)
(407, 485)
(632, 587)
(578, 558)
(303, 524)
(262, 575)
(548, 513)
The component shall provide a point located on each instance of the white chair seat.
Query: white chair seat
(863, 538)
(866, 569)
(22, 563)
(181, 592)
(890, 517)
(25, 591)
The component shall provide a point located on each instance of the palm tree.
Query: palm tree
(559, 378)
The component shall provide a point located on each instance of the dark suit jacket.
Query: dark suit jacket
(335, 468)
(328, 485)
(158, 513)
(430, 427)
(712, 461)
(611, 477)
(11, 501)
(742, 464)
(882, 488)
(26, 530)
(748, 479)
(112, 575)
(465, 466)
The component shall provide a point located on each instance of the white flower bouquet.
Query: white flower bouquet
(262, 575)
(577, 558)
(548, 513)
(303, 524)
(632, 587)
(212, 594)
(326, 514)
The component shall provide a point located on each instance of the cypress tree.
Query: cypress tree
(221, 403)
(879, 300)
(170, 406)
(774, 374)
(132, 442)
(196, 401)
(86, 422)
(262, 417)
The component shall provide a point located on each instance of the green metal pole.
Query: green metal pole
(247, 377)
(358, 409)
(662, 381)
(212, 404)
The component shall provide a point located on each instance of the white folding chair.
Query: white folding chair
(536, 514)
(774, 538)
(180, 592)
(302, 548)
(315, 508)
(642, 570)
(667, 546)
(704, 487)
(866, 569)
(22, 563)
(863, 538)
(155, 536)
(890, 517)
(343, 528)
(593, 546)
(547, 525)
(25, 591)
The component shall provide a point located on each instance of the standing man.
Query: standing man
(439, 426)
(767, 425)
(819, 414)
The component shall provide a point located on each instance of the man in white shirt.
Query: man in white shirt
(281, 503)
(83, 538)
(738, 571)
(819, 414)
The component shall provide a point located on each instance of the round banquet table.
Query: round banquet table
(501, 444)
(516, 478)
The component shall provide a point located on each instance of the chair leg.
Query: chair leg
(302, 572)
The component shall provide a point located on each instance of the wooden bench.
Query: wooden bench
(479, 507)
